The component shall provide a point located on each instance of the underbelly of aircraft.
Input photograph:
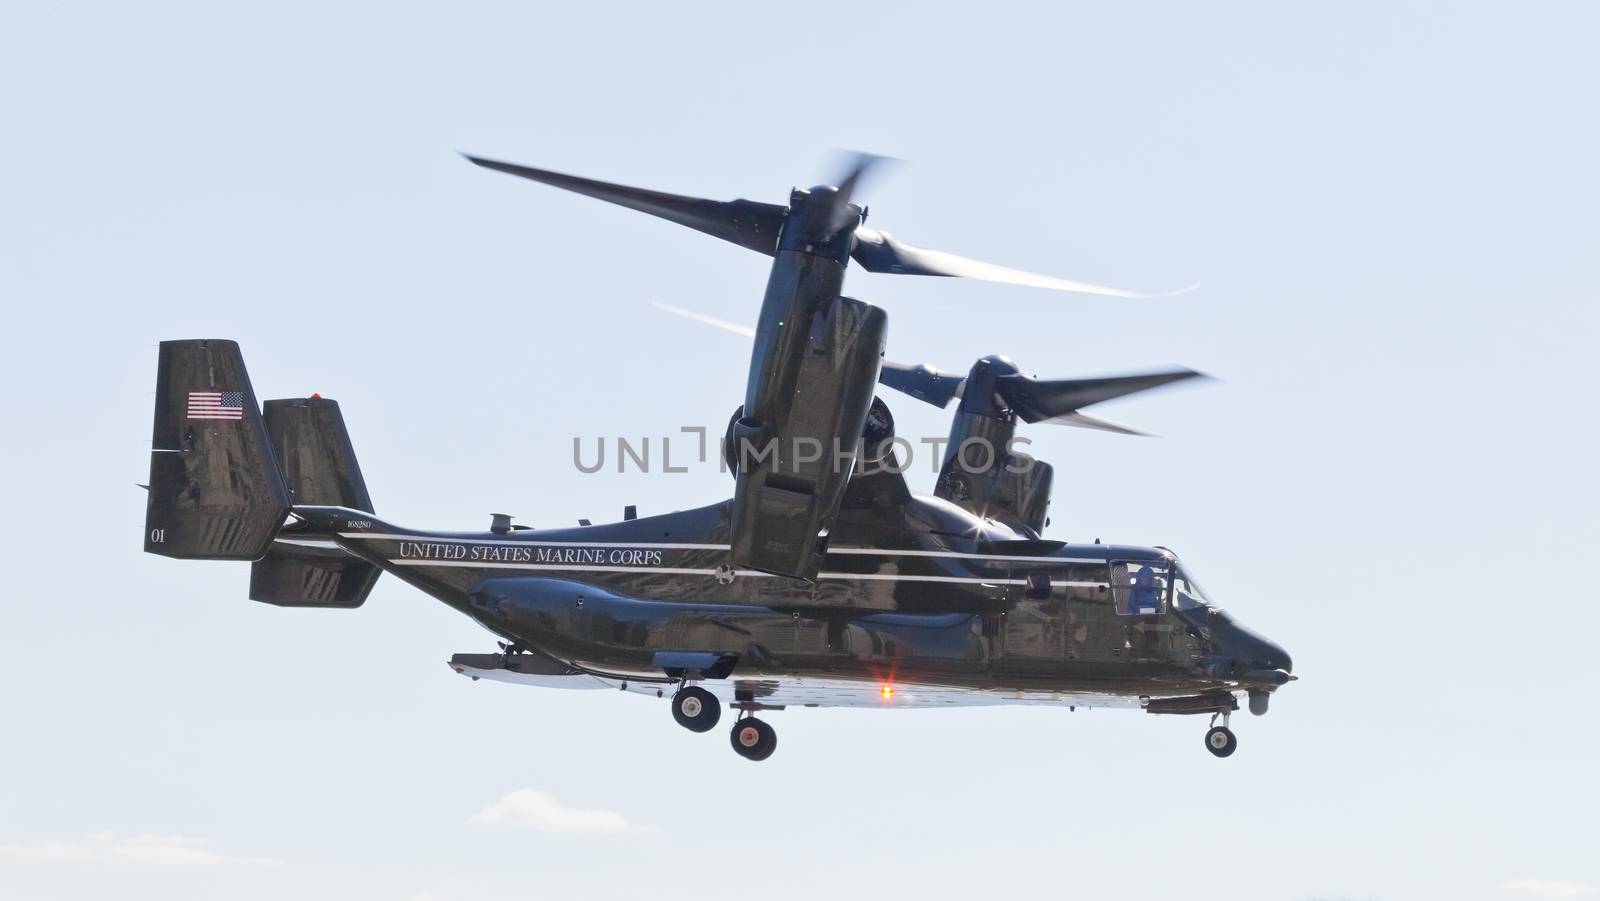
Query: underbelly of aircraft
(817, 690)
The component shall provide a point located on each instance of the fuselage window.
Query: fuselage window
(1086, 583)
(1140, 586)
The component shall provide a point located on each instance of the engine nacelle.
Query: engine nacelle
(792, 464)
(982, 474)
(877, 437)
(1014, 489)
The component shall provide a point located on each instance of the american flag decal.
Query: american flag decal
(216, 404)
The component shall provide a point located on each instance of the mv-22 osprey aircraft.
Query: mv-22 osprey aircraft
(823, 582)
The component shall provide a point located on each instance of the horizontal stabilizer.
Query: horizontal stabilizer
(297, 575)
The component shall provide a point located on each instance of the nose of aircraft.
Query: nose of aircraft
(1254, 650)
(1276, 656)
(1260, 653)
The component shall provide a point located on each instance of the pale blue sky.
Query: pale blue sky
(1391, 209)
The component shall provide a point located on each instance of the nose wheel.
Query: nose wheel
(1220, 740)
(696, 709)
(753, 739)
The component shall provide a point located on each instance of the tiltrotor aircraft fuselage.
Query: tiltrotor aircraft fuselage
(823, 582)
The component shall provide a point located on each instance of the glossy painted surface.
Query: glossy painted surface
(938, 607)
(913, 597)
(318, 463)
(818, 583)
(813, 368)
(794, 460)
(215, 491)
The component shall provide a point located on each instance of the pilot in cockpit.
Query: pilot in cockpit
(1146, 595)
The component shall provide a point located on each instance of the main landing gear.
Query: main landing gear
(1220, 740)
(753, 739)
(698, 710)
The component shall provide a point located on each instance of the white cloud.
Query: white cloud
(143, 848)
(1551, 888)
(531, 809)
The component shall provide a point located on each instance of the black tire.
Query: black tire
(1221, 741)
(696, 709)
(753, 739)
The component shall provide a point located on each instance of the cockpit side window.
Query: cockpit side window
(1139, 587)
(1186, 592)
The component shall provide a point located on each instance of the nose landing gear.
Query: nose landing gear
(1220, 740)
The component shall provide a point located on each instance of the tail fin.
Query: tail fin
(313, 451)
(313, 448)
(215, 490)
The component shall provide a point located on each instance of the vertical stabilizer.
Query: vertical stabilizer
(313, 448)
(215, 489)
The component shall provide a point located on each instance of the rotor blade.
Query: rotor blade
(1085, 421)
(712, 321)
(879, 251)
(857, 165)
(922, 382)
(1034, 400)
(743, 222)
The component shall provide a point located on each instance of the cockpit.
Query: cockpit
(1147, 582)
(1151, 587)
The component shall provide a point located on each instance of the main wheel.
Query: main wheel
(1221, 741)
(696, 709)
(753, 739)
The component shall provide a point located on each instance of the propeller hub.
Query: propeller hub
(996, 364)
(980, 396)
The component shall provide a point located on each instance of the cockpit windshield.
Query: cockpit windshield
(1186, 592)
